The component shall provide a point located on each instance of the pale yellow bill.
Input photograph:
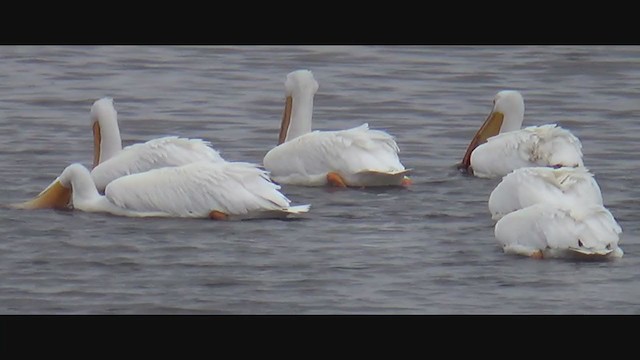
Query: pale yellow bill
(286, 119)
(55, 196)
(489, 128)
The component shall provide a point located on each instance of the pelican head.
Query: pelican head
(75, 181)
(300, 88)
(106, 133)
(506, 115)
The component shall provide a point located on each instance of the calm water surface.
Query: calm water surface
(428, 249)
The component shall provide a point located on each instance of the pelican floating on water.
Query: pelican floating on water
(354, 157)
(545, 230)
(501, 146)
(532, 185)
(204, 189)
(111, 161)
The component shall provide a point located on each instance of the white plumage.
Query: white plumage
(153, 154)
(111, 161)
(545, 212)
(546, 145)
(501, 146)
(166, 177)
(359, 156)
(236, 189)
(532, 185)
(546, 230)
(356, 154)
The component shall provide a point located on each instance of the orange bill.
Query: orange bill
(286, 119)
(489, 128)
(55, 196)
(96, 143)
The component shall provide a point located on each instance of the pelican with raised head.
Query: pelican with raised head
(111, 160)
(501, 146)
(356, 157)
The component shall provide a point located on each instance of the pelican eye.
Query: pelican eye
(580, 243)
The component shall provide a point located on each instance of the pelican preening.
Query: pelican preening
(527, 186)
(547, 204)
(204, 189)
(358, 156)
(501, 146)
(546, 230)
(545, 212)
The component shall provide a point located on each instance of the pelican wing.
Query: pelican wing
(307, 158)
(521, 230)
(531, 185)
(556, 146)
(547, 145)
(556, 231)
(596, 228)
(156, 153)
(196, 189)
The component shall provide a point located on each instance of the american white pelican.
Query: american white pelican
(220, 191)
(545, 230)
(500, 146)
(354, 157)
(531, 185)
(111, 161)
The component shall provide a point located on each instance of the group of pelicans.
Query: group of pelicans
(548, 204)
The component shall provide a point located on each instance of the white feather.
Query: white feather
(307, 159)
(240, 190)
(153, 154)
(165, 151)
(569, 187)
(546, 145)
(514, 147)
(560, 232)
(361, 156)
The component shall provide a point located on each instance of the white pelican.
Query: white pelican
(354, 157)
(500, 146)
(220, 191)
(110, 160)
(545, 230)
(531, 185)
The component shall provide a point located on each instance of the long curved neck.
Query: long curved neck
(79, 179)
(301, 115)
(512, 120)
(110, 142)
(512, 107)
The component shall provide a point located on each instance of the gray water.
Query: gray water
(429, 249)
